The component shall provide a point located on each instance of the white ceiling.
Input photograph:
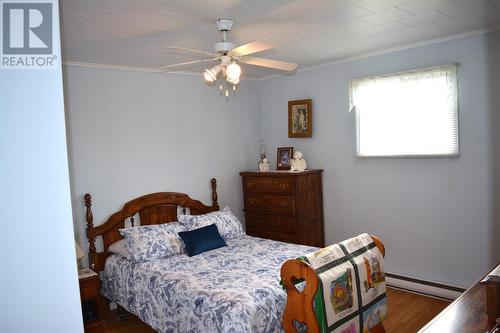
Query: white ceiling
(134, 33)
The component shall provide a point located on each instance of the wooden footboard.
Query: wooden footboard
(299, 307)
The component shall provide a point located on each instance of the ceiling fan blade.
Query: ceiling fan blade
(205, 53)
(250, 48)
(269, 63)
(167, 67)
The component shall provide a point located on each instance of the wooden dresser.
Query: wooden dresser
(284, 206)
(467, 314)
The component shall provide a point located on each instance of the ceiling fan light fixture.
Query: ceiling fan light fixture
(210, 75)
(234, 82)
(226, 75)
(233, 72)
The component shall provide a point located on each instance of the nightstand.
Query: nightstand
(89, 296)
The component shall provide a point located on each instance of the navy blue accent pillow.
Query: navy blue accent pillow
(201, 240)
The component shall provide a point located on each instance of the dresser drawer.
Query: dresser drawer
(273, 203)
(271, 223)
(268, 185)
(278, 236)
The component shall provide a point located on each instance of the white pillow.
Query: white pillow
(120, 248)
(149, 242)
(228, 225)
(185, 219)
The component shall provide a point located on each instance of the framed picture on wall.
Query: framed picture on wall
(284, 158)
(300, 118)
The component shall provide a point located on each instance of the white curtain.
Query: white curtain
(407, 114)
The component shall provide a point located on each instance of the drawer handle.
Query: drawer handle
(284, 186)
(252, 202)
(284, 204)
(250, 184)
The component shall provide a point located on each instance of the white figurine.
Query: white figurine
(298, 164)
(264, 165)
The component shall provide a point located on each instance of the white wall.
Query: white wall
(133, 133)
(493, 59)
(435, 215)
(38, 274)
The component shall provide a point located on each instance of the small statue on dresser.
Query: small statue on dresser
(264, 165)
(298, 164)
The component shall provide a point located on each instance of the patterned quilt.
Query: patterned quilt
(230, 289)
(352, 291)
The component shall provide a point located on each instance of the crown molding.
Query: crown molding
(303, 69)
(108, 66)
(387, 51)
(127, 68)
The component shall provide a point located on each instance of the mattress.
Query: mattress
(230, 289)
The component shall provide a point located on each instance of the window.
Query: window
(407, 114)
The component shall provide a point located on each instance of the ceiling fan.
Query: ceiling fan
(227, 55)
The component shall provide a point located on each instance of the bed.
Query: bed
(230, 289)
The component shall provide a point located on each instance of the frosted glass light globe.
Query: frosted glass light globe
(233, 82)
(233, 72)
(208, 76)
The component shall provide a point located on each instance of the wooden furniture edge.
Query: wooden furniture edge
(277, 173)
(491, 284)
(451, 306)
(95, 324)
(442, 313)
(299, 306)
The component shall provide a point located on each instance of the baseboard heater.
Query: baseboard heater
(427, 288)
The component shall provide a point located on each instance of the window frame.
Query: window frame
(405, 156)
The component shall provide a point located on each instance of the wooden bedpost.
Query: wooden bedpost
(213, 181)
(90, 229)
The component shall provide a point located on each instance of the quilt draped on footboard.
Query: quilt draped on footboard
(351, 296)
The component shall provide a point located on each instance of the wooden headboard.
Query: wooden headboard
(154, 208)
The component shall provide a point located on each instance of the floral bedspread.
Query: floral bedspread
(230, 289)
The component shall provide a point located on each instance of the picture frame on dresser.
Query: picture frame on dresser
(284, 157)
